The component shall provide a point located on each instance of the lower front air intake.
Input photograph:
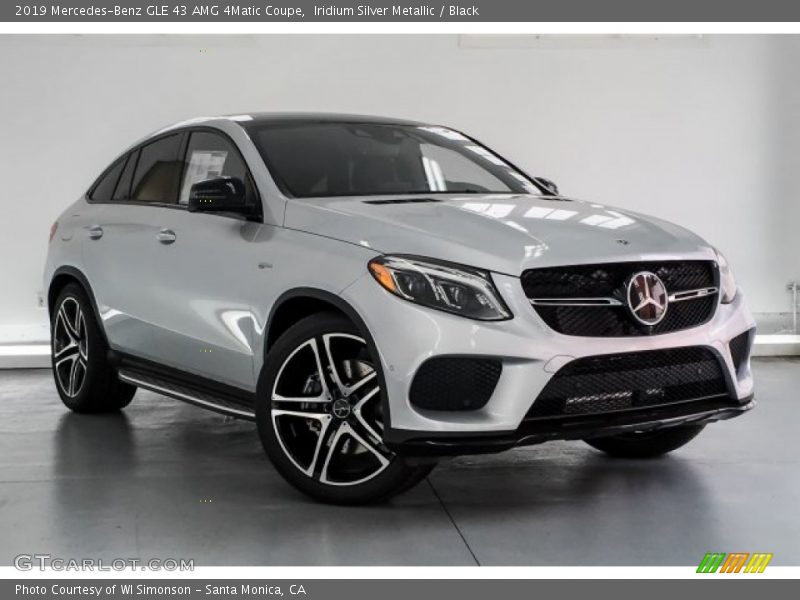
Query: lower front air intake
(621, 382)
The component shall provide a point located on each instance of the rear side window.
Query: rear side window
(104, 187)
(158, 172)
(123, 189)
(210, 155)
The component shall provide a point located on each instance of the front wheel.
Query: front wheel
(646, 444)
(320, 415)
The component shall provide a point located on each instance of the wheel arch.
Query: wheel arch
(299, 303)
(61, 278)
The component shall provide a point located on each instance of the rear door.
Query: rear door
(120, 244)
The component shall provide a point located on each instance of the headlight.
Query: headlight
(727, 283)
(452, 288)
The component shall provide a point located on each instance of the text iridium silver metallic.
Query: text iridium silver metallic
(203, 303)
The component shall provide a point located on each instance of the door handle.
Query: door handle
(95, 232)
(166, 236)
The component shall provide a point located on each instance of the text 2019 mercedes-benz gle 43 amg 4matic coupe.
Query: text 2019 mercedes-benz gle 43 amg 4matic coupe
(377, 294)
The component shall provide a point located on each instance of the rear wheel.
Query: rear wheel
(85, 381)
(646, 444)
(321, 418)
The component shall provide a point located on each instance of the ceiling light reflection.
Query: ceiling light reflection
(610, 219)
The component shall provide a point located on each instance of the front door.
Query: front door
(204, 264)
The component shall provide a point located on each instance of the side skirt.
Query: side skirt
(202, 392)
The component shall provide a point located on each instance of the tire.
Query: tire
(322, 427)
(646, 444)
(83, 377)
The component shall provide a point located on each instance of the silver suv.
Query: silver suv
(377, 294)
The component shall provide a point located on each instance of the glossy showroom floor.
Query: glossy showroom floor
(166, 479)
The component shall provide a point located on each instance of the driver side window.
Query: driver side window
(209, 156)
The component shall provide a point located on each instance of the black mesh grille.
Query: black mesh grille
(740, 347)
(608, 281)
(616, 382)
(455, 383)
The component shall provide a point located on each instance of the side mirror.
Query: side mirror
(222, 194)
(550, 186)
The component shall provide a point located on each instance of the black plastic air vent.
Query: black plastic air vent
(740, 349)
(455, 383)
(402, 201)
(618, 382)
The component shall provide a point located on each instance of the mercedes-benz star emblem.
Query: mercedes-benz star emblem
(341, 409)
(647, 298)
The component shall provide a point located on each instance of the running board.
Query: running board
(223, 403)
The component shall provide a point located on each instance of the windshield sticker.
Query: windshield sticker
(204, 164)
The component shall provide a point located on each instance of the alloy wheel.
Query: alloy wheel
(326, 411)
(70, 347)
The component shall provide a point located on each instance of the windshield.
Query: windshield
(365, 159)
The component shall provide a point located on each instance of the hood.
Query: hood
(499, 232)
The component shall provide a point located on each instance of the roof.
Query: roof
(250, 119)
(318, 117)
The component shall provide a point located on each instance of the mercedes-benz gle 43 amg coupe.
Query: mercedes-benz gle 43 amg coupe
(377, 294)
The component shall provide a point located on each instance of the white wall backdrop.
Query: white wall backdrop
(701, 131)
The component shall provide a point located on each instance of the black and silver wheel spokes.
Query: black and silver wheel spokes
(326, 411)
(70, 347)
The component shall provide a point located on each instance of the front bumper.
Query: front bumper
(406, 335)
(536, 431)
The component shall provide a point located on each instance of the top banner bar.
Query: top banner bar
(541, 11)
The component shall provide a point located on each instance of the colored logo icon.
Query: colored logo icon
(736, 562)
